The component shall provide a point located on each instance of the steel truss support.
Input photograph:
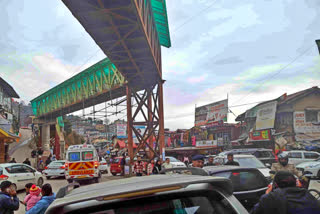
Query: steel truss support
(149, 113)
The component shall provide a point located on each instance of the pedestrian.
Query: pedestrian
(138, 167)
(286, 198)
(9, 202)
(210, 162)
(48, 161)
(157, 167)
(27, 188)
(27, 161)
(150, 167)
(13, 160)
(47, 198)
(198, 161)
(167, 164)
(231, 161)
(32, 199)
(40, 165)
(123, 163)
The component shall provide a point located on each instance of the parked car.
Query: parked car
(55, 169)
(266, 156)
(299, 156)
(312, 166)
(248, 161)
(103, 167)
(20, 174)
(175, 162)
(152, 194)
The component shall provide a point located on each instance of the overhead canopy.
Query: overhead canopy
(8, 89)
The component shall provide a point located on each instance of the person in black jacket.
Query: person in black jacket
(27, 162)
(9, 202)
(287, 198)
(231, 161)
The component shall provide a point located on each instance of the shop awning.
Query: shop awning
(7, 136)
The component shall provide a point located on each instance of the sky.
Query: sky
(249, 51)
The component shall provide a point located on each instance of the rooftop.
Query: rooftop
(8, 89)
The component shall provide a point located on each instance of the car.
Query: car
(299, 156)
(175, 162)
(55, 169)
(115, 166)
(249, 161)
(312, 166)
(103, 167)
(151, 194)
(266, 156)
(20, 175)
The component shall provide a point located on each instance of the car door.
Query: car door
(295, 157)
(29, 174)
(16, 172)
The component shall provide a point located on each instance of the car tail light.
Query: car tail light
(236, 173)
(62, 167)
(66, 165)
(4, 177)
(46, 167)
(96, 164)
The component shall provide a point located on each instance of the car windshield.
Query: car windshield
(117, 160)
(56, 163)
(172, 159)
(74, 156)
(249, 162)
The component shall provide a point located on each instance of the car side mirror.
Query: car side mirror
(268, 165)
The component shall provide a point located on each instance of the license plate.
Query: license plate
(81, 172)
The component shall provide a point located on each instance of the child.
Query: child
(34, 196)
(27, 187)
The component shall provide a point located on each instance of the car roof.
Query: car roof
(11, 164)
(137, 184)
(237, 156)
(224, 168)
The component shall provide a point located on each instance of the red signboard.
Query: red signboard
(261, 135)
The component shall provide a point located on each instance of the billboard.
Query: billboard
(211, 113)
(207, 143)
(264, 135)
(122, 130)
(141, 130)
(266, 116)
(301, 125)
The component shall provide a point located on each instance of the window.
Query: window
(311, 155)
(88, 155)
(28, 169)
(295, 155)
(15, 169)
(74, 156)
(311, 116)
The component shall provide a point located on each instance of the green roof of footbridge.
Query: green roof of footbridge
(160, 16)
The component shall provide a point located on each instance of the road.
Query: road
(60, 182)
(56, 184)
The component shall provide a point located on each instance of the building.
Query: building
(9, 127)
(290, 121)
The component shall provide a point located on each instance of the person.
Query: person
(150, 167)
(40, 165)
(27, 188)
(9, 202)
(157, 167)
(32, 199)
(167, 164)
(27, 162)
(138, 167)
(53, 158)
(210, 162)
(13, 160)
(286, 198)
(48, 161)
(198, 161)
(283, 165)
(123, 163)
(231, 161)
(47, 198)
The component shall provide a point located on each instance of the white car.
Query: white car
(312, 166)
(55, 169)
(298, 156)
(246, 161)
(20, 175)
(175, 162)
(103, 167)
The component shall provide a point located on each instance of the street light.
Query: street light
(318, 44)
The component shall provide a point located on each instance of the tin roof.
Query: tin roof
(8, 89)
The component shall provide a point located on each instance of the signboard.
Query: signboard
(121, 130)
(220, 141)
(260, 135)
(211, 113)
(141, 130)
(100, 127)
(206, 143)
(266, 116)
(301, 126)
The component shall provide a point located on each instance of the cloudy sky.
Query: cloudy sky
(251, 50)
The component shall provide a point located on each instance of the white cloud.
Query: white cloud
(197, 79)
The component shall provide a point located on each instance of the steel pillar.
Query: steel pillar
(45, 137)
(161, 121)
(129, 124)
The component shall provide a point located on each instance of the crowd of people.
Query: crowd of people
(36, 201)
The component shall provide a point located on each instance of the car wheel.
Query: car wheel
(40, 182)
(48, 177)
(114, 174)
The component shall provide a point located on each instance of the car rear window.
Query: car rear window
(74, 156)
(244, 180)
(56, 163)
(87, 155)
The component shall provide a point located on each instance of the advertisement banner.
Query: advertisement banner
(206, 143)
(263, 135)
(301, 126)
(122, 130)
(266, 116)
(211, 113)
(141, 130)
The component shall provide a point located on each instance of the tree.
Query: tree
(67, 126)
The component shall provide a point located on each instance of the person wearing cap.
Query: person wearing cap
(34, 196)
(47, 198)
(283, 165)
(9, 202)
(198, 161)
(286, 198)
(231, 161)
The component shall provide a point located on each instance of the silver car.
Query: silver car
(55, 169)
